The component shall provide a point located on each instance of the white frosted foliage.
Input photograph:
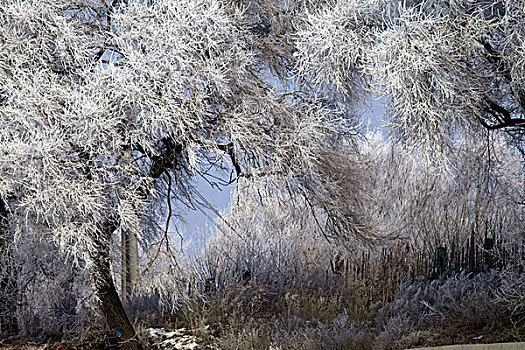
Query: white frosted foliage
(109, 108)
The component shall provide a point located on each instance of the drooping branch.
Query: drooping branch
(496, 59)
(502, 116)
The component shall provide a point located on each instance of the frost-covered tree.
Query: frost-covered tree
(109, 108)
(445, 67)
(413, 200)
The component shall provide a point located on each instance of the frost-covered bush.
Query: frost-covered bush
(464, 301)
(411, 199)
(52, 298)
(512, 291)
(339, 333)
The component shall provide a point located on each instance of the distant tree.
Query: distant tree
(276, 238)
(445, 67)
(414, 200)
(109, 109)
(129, 263)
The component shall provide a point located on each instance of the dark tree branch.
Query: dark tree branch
(503, 117)
(228, 149)
(518, 122)
(167, 159)
(496, 60)
(499, 110)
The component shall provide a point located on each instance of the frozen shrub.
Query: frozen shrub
(512, 291)
(464, 301)
(53, 297)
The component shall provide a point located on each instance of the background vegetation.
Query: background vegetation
(336, 237)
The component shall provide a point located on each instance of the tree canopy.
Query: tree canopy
(99, 102)
(444, 67)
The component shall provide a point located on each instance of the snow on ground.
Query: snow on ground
(179, 339)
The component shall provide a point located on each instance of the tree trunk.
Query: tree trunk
(110, 302)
